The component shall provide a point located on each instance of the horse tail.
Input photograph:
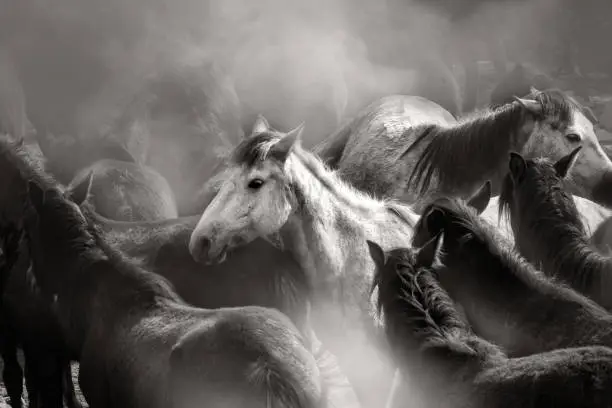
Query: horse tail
(283, 388)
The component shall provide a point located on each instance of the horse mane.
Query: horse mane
(551, 203)
(478, 231)
(485, 137)
(553, 212)
(416, 308)
(256, 149)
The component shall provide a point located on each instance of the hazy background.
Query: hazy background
(84, 65)
(284, 55)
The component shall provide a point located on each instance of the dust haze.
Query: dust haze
(312, 61)
(295, 60)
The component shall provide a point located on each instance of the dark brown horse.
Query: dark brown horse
(601, 239)
(28, 323)
(255, 274)
(448, 366)
(12, 374)
(477, 263)
(138, 343)
(548, 229)
(409, 148)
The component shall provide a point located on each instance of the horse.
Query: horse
(267, 277)
(453, 366)
(127, 191)
(408, 148)
(121, 188)
(601, 239)
(547, 226)
(278, 191)
(28, 323)
(119, 318)
(477, 262)
(12, 374)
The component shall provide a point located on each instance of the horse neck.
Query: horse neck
(506, 318)
(328, 230)
(432, 343)
(91, 285)
(561, 247)
(488, 137)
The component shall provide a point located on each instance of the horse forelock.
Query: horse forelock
(255, 149)
(557, 107)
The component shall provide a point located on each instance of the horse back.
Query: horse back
(256, 358)
(127, 191)
(379, 135)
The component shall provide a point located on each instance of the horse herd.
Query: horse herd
(375, 270)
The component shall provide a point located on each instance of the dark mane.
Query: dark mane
(551, 204)
(485, 137)
(414, 298)
(547, 213)
(474, 230)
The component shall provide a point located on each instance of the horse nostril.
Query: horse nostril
(204, 245)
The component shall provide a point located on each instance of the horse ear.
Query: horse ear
(261, 125)
(377, 253)
(590, 115)
(428, 253)
(283, 147)
(517, 167)
(80, 192)
(435, 220)
(533, 90)
(480, 200)
(564, 164)
(530, 105)
(36, 193)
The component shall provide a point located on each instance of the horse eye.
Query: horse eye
(573, 137)
(400, 266)
(256, 184)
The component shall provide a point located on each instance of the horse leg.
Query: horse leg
(69, 392)
(31, 379)
(12, 374)
(471, 85)
(49, 375)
